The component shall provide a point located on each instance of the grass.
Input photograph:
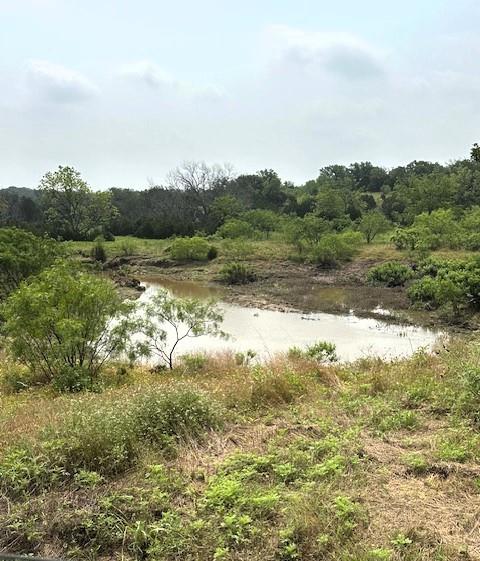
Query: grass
(233, 461)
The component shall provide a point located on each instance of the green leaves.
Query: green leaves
(65, 324)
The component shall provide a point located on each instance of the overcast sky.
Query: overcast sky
(124, 90)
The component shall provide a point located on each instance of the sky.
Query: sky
(125, 90)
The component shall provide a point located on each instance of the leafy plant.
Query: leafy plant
(237, 273)
(192, 249)
(390, 274)
(60, 326)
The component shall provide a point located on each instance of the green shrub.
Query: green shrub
(192, 249)
(237, 273)
(59, 325)
(22, 255)
(390, 274)
(178, 413)
(322, 351)
(406, 238)
(106, 439)
(334, 248)
(128, 246)
(98, 252)
(236, 228)
(453, 283)
(16, 377)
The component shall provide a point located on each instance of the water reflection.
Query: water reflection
(268, 332)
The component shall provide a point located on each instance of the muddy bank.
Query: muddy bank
(280, 285)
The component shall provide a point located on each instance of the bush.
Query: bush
(322, 351)
(128, 246)
(236, 228)
(22, 255)
(180, 413)
(98, 252)
(106, 439)
(452, 283)
(406, 238)
(59, 325)
(390, 274)
(15, 378)
(237, 273)
(192, 249)
(334, 248)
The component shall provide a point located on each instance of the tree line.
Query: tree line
(201, 199)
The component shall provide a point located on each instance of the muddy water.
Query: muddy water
(268, 332)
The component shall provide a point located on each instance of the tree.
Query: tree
(64, 324)
(23, 254)
(475, 153)
(200, 182)
(171, 320)
(373, 223)
(72, 210)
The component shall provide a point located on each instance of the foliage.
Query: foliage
(72, 210)
(448, 283)
(236, 228)
(373, 223)
(182, 318)
(334, 248)
(390, 274)
(106, 440)
(322, 351)
(59, 324)
(191, 249)
(22, 254)
(237, 273)
(98, 252)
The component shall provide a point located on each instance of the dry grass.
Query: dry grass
(273, 407)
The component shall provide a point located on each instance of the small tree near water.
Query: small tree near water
(65, 324)
(185, 317)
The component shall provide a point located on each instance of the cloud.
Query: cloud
(149, 73)
(57, 84)
(341, 54)
(158, 79)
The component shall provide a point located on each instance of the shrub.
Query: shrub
(189, 318)
(406, 238)
(192, 249)
(334, 248)
(98, 252)
(105, 439)
(22, 255)
(236, 228)
(59, 325)
(390, 274)
(179, 413)
(448, 283)
(322, 351)
(237, 273)
(128, 246)
(16, 377)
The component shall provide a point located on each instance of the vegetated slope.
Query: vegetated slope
(227, 460)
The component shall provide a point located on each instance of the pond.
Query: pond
(269, 332)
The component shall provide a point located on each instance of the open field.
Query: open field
(225, 460)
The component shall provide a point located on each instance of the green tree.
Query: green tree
(72, 210)
(262, 220)
(235, 228)
(64, 324)
(23, 254)
(373, 223)
(475, 153)
(171, 320)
